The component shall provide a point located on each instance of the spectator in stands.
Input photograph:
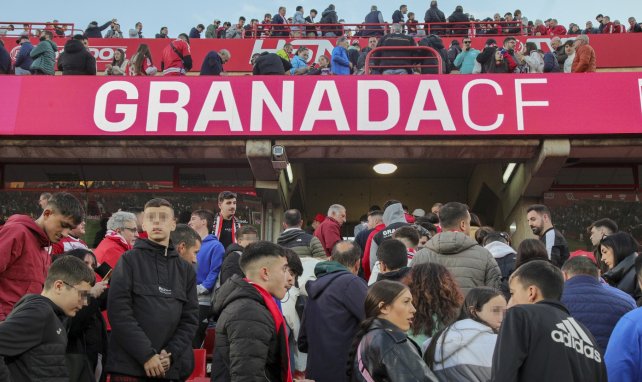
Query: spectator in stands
(322, 68)
(535, 312)
(398, 15)
(589, 29)
(471, 264)
(285, 52)
(249, 29)
(487, 55)
(195, 32)
(211, 30)
(300, 61)
(44, 55)
(340, 64)
(619, 252)
(76, 59)
(453, 50)
(574, 30)
(534, 58)
(177, 57)
(34, 336)
(555, 29)
(392, 263)
(411, 24)
(114, 31)
(353, 55)
(540, 28)
(137, 32)
(141, 63)
(618, 27)
(311, 31)
(71, 241)
(569, 47)
(460, 18)
(278, 21)
(361, 62)
(598, 230)
(94, 31)
(213, 62)
(236, 30)
(329, 16)
(540, 222)
(529, 250)
(5, 59)
(607, 26)
(600, 21)
(374, 17)
(465, 348)
(23, 59)
(186, 242)
(329, 231)
(332, 313)
(624, 352)
(298, 18)
(221, 32)
(245, 236)
(634, 26)
(121, 234)
(5, 30)
(251, 333)
(118, 66)
(151, 335)
(598, 307)
(552, 59)
(434, 15)
(270, 64)
(394, 39)
(381, 340)
(584, 61)
(430, 65)
(163, 33)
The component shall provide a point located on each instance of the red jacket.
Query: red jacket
(543, 31)
(584, 61)
(110, 249)
(558, 31)
(24, 261)
(608, 28)
(365, 261)
(328, 233)
(619, 28)
(172, 63)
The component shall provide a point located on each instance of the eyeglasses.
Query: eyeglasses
(135, 229)
(83, 294)
(466, 42)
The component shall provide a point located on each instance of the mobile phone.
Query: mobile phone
(108, 275)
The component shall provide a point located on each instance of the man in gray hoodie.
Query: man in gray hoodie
(393, 218)
(470, 264)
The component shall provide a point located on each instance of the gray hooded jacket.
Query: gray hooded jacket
(393, 218)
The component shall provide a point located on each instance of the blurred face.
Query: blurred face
(400, 312)
(608, 256)
(247, 239)
(57, 226)
(89, 260)
(372, 43)
(493, 312)
(71, 298)
(159, 223)
(129, 232)
(228, 206)
(536, 222)
(279, 279)
(323, 62)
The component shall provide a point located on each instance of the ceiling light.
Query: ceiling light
(508, 172)
(384, 168)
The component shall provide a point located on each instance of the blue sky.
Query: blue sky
(180, 16)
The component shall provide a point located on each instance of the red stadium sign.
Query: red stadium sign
(391, 106)
(613, 51)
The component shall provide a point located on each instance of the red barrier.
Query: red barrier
(276, 106)
(613, 51)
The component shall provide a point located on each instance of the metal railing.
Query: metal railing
(421, 59)
(33, 29)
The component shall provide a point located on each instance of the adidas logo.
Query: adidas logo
(572, 335)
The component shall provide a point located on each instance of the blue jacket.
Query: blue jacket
(465, 61)
(212, 64)
(23, 59)
(624, 354)
(194, 33)
(330, 320)
(596, 306)
(209, 259)
(340, 63)
(297, 62)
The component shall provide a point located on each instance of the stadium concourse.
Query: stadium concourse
(244, 161)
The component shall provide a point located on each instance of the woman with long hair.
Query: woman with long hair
(619, 251)
(437, 298)
(141, 63)
(464, 350)
(381, 351)
(118, 66)
(529, 250)
(534, 58)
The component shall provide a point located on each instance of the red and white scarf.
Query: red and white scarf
(218, 227)
(113, 235)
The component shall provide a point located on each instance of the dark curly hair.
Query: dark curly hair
(435, 293)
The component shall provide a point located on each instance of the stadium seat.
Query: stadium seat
(208, 344)
(200, 364)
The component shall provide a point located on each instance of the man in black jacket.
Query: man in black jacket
(270, 64)
(152, 305)
(245, 236)
(538, 339)
(435, 15)
(540, 221)
(94, 31)
(33, 338)
(393, 39)
(251, 333)
(76, 59)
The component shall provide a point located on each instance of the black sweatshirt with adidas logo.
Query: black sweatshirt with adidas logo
(542, 342)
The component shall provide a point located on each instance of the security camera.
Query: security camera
(279, 158)
(278, 152)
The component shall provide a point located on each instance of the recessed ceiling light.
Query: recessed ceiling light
(384, 168)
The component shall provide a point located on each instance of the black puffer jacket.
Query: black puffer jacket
(231, 266)
(435, 42)
(33, 339)
(434, 15)
(152, 305)
(244, 320)
(623, 277)
(76, 59)
(458, 16)
(387, 354)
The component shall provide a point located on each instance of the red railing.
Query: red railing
(30, 28)
(415, 63)
(458, 29)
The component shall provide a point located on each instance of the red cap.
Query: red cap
(319, 218)
(588, 254)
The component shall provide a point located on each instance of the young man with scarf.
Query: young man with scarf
(251, 334)
(225, 223)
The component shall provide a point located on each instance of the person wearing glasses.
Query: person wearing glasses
(122, 231)
(33, 337)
